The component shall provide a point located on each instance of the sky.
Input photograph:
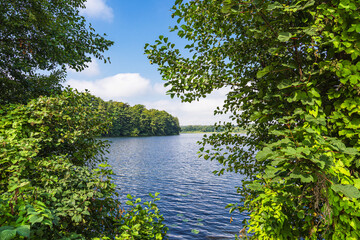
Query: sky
(130, 77)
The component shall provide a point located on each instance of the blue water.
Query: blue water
(192, 197)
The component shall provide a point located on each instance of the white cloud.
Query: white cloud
(196, 113)
(97, 9)
(92, 69)
(134, 89)
(116, 87)
(160, 89)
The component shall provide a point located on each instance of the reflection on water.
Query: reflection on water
(193, 200)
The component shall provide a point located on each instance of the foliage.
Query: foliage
(54, 180)
(139, 121)
(45, 182)
(43, 35)
(142, 222)
(50, 184)
(207, 128)
(293, 70)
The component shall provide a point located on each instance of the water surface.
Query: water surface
(193, 199)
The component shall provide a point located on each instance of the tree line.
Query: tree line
(138, 121)
(208, 128)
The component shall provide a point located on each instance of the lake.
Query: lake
(193, 199)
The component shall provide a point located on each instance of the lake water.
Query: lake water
(193, 199)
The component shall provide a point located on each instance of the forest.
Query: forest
(138, 121)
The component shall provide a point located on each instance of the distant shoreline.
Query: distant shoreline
(187, 132)
(207, 129)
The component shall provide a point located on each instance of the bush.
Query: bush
(54, 181)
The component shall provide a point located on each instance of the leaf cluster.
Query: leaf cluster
(43, 35)
(55, 182)
(292, 73)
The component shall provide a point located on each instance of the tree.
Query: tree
(292, 67)
(43, 35)
(139, 121)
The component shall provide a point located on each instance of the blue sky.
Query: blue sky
(130, 77)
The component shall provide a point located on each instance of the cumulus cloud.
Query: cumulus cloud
(135, 89)
(160, 89)
(116, 87)
(196, 113)
(97, 9)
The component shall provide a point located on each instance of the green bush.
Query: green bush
(55, 182)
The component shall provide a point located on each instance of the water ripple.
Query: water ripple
(193, 200)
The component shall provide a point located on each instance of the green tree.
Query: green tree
(139, 121)
(121, 119)
(43, 35)
(292, 67)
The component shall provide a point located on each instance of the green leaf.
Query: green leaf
(35, 219)
(311, 31)
(284, 36)
(6, 228)
(254, 186)
(263, 154)
(297, 96)
(357, 183)
(300, 215)
(348, 190)
(77, 218)
(304, 177)
(351, 151)
(264, 71)
(23, 230)
(323, 161)
(284, 84)
(270, 172)
(274, 5)
(23, 184)
(158, 236)
(129, 203)
(308, 4)
(195, 231)
(7, 234)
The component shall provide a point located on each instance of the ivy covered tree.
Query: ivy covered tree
(293, 70)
